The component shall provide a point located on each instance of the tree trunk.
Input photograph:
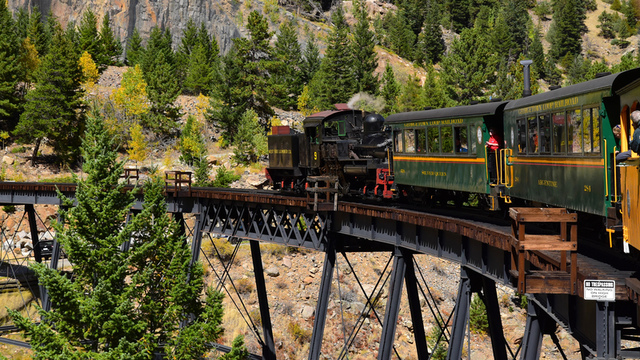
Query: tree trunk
(35, 152)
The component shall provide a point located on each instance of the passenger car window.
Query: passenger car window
(410, 141)
(461, 143)
(575, 131)
(398, 143)
(522, 136)
(544, 137)
(433, 139)
(421, 141)
(559, 133)
(447, 139)
(532, 135)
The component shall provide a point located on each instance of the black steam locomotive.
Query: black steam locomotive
(344, 150)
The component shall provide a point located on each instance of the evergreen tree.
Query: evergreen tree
(631, 13)
(459, 14)
(159, 42)
(433, 93)
(209, 43)
(333, 83)
(311, 59)
(286, 78)
(199, 73)
(627, 62)
(227, 102)
(53, 108)
(578, 69)
(518, 23)
(465, 73)
(256, 56)
(565, 37)
(409, 99)
(400, 38)
(365, 60)
(536, 53)
(189, 39)
(135, 51)
(112, 49)
(430, 46)
(10, 69)
(89, 38)
(250, 142)
(596, 68)
(606, 24)
(390, 91)
(36, 32)
(22, 19)
(509, 84)
(122, 304)
(162, 89)
(191, 143)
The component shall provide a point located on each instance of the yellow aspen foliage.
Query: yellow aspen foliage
(202, 104)
(131, 96)
(303, 102)
(137, 145)
(89, 70)
(275, 121)
(29, 57)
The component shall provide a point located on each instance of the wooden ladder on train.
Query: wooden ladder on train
(561, 280)
(322, 189)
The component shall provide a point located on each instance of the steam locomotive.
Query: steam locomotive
(555, 149)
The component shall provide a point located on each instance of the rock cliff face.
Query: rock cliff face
(126, 15)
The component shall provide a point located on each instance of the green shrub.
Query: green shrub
(19, 150)
(9, 209)
(478, 322)
(224, 178)
(298, 333)
(66, 179)
(439, 351)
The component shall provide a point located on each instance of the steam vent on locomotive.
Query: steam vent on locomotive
(551, 149)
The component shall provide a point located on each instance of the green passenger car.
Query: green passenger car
(444, 148)
(561, 144)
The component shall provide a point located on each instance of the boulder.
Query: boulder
(272, 271)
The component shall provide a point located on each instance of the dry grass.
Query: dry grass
(244, 285)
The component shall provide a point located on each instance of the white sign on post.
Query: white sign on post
(600, 290)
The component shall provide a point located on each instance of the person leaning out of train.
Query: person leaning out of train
(634, 140)
(493, 145)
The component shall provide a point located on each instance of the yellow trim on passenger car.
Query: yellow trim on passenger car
(440, 159)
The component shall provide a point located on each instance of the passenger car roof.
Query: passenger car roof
(448, 113)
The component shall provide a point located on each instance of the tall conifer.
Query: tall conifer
(10, 69)
(365, 60)
(135, 50)
(565, 37)
(53, 107)
(287, 74)
(111, 46)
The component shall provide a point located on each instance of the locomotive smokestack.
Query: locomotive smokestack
(527, 77)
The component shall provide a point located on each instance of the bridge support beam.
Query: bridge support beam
(461, 317)
(496, 332)
(414, 307)
(268, 349)
(323, 300)
(33, 228)
(393, 305)
(605, 330)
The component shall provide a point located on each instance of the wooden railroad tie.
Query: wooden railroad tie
(556, 281)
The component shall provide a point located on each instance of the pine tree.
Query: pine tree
(199, 73)
(145, 300)
(89, 38)
(566, 38)
(465, 73)
(135, 51)
(36, 32)
(430, 46)
(286, 78)
(400, 38)
(54, 107)
(209, 43)
(311, 59)
(227, 102)
(536, 53)
(162, 89)
(250, 142)
(433, 93)
(409, 99)
(365, 60)
(189, 39)
(333, 83)
(256, 56)
(159, 42)
(110, 44)
(390, 90)
(459, 13)
(10, 69)
(22, 19)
